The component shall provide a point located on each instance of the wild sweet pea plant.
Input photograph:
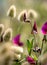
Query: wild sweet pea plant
(36, 55)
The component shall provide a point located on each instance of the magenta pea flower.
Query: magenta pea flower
(30, 60)
(44, 28)
(34, 30)
(16, 40)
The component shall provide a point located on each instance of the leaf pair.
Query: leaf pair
(5, 35)
(29, 46)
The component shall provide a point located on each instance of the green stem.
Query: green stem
(35, 39)
(36, 62)
(30, 53)
(22, 60)
(41, 47)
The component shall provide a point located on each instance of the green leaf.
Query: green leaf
(32, 43)
(34, 57)
(29, 46)
(18, 63)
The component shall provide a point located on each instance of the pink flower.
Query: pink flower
(44, 28)
(34, 30)
(30, 60)
(16, 40)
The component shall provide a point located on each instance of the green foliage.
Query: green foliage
(29, 46)
(34, 57)
(16, 63)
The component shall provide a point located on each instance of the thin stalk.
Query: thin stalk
(41, 47)
(40, 64)
(36, 62)
(22, 60)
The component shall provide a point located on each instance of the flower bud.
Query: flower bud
(34, 29)
(44, 28)
(30, 60)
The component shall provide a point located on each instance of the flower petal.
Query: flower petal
(44, 28)
(30, 60)
(34, 30)
(20, 44)
(16, 39)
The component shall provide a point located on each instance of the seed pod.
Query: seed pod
(12, 11)
(22, 16)
(7, 35)
(32, 14)
(1, 29)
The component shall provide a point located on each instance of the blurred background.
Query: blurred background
(40, 6)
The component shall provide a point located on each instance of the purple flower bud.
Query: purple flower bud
(16, 40)
(30, 60)
(44, 28)
(34, 30)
